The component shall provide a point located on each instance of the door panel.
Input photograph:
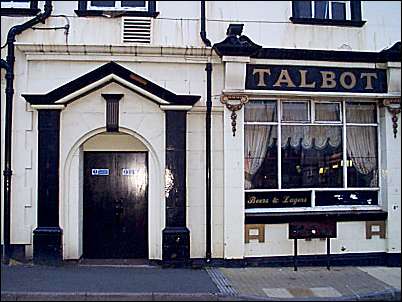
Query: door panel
(116, 205)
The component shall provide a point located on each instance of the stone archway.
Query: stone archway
(71, 206)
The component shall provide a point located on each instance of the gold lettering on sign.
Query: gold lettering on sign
(303, 80)
(261, 73)
(284, 78)
(328, 79)
(342, 80)
(368, 76)
(254, 200)
(275, 200)
(294, 200)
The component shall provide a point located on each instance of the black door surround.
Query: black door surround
(47, 237)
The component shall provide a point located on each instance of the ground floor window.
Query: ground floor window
(315, 152)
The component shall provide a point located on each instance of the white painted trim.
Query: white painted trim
(118, 7)
(393, 64)
(106, 79)
(175, 107)
(117, 49)
(234, 59)
(273, 93)
(203, 109)
(39, 107)
(315, 189)
(344, 146)
(94, 57)
(16, 5)
(315, 209)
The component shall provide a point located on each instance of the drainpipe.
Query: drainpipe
(203, 32)
(208, 69)
(9, 66)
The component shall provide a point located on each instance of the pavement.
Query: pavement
(26, 282)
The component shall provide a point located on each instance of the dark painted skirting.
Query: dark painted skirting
(176, 236)
(47, 237)
(393, 259)
(273, 218)
(17, 252)
(353, 259)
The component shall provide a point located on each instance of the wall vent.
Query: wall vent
(136, 30)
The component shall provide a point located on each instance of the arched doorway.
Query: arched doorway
(115, 197)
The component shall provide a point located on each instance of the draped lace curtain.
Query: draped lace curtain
(258, 138)
(362, 141)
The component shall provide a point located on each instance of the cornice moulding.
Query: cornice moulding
(133, 50)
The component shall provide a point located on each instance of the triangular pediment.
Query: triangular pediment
(103, 75)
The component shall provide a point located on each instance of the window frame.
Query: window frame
(355, 14)
(343, 124)
(117, 7)
(85, 10)
(313, 113)
(347, 12)
(309, 116)
(31, 9)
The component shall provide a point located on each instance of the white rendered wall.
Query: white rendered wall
(391, 160)
(265, 22)
(351, 238)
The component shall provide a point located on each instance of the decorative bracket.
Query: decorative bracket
(228, 100)
(394, 107)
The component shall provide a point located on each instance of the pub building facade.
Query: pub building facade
(221, 132)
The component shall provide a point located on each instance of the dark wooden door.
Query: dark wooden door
(115, 205)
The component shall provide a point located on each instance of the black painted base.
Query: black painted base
(47, 246)
(176, 245)
(17, 252)
(394, 259)
(355, 259)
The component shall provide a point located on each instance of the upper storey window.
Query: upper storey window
(117, 8)
(344, 13)
(15, 4)
(119, 5)
(19, 8)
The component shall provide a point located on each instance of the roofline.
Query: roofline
(110, 72)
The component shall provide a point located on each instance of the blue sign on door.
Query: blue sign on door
(104, 172)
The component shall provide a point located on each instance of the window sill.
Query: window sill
(274, 218)
(89, 13)
(312, 21)
(19, 11)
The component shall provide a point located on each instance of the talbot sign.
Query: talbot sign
(315, 78)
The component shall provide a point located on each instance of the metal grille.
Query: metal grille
(112, 115)
(136, 30)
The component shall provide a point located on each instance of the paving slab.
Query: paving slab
(309, 283)
(154, 283)
(389, 275)
(87, 279)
